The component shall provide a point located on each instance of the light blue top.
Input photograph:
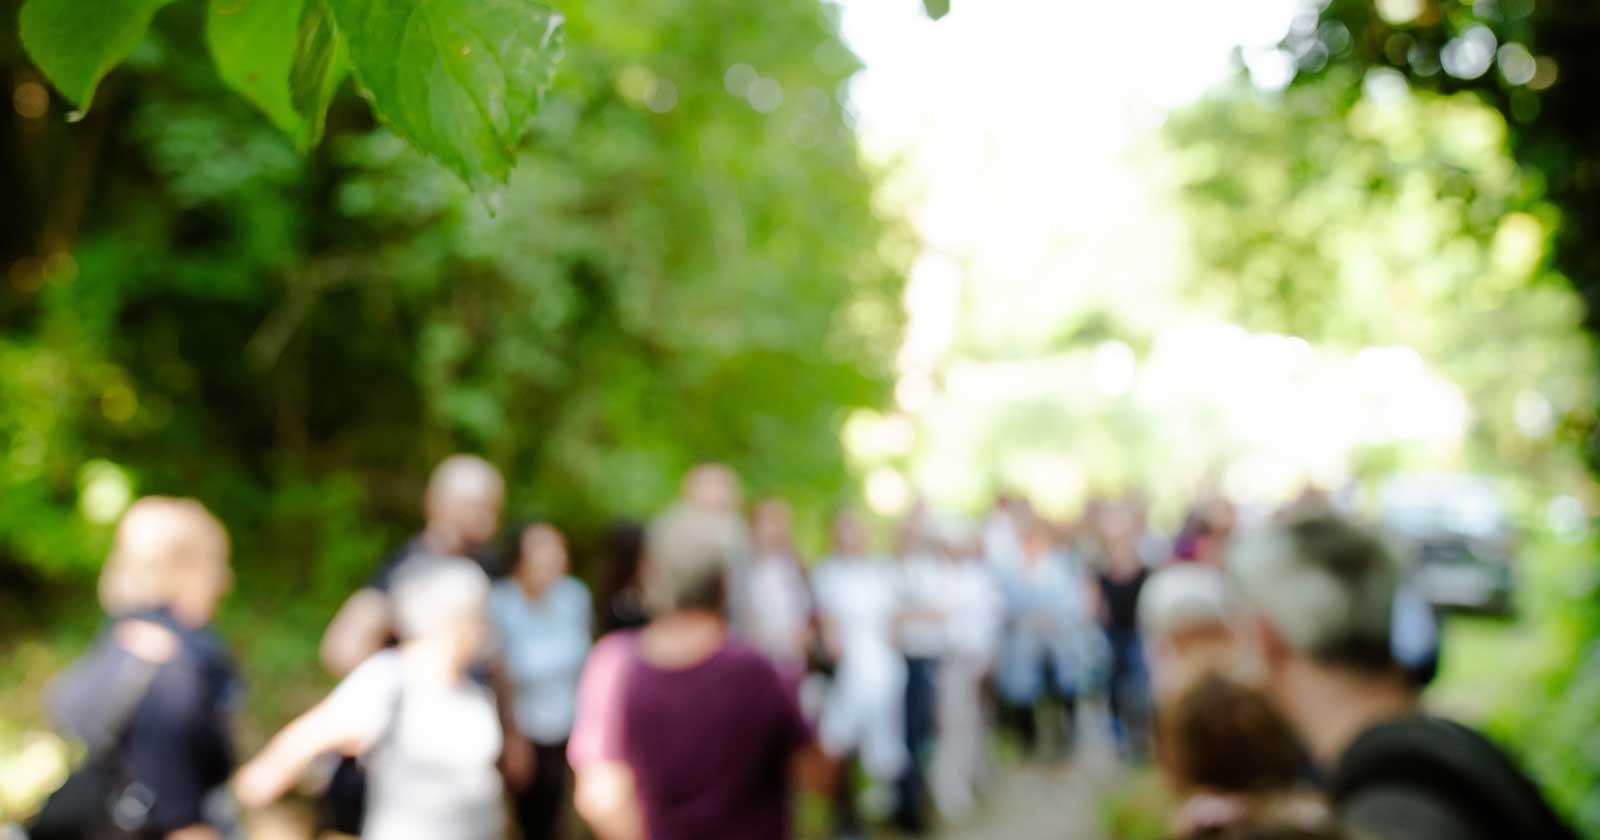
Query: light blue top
(544, 644)
(1047, 619)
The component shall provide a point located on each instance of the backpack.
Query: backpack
(97, 700)
(1456, 764)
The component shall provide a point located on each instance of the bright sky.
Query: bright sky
(1023, 128)
(1022, 140)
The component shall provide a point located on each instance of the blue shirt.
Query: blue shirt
(544, 644)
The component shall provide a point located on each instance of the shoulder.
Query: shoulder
(613, 651)
(1409, 812)
(741, 663)
(573, 591)
(380, 670)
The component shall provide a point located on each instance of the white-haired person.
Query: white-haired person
(461, 510)
(1186, 611)
(1321, 592)
(151, 698)
(427, 733)
(683, 732)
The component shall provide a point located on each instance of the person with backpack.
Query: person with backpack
(151, 698)
(428, 734)
(1321, 593)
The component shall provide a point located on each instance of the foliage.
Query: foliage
(1360, 206)
(1533, 62)
(457, 78)
(676, 271)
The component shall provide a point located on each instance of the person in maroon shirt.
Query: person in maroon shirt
(682, 733)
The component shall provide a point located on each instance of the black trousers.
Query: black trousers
(542, 806)
(911, 788)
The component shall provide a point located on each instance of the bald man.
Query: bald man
(461, 508)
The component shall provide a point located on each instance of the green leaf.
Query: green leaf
(319, 67)
(936, 8)
(77, 42)
(284, 56)
(458, 78)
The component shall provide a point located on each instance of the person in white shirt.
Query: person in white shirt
(426, 731)
(779, 602)
(859, 604)
(543, 619)
(922, 636)
(974, 610)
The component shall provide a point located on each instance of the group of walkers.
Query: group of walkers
(1262, 672)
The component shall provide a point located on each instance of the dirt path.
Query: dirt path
(1050, 802)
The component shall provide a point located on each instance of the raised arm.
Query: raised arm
(358, 630)
(325, 728)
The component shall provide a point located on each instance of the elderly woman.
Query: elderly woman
(150, 698)
(429, 733)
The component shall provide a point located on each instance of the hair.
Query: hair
(688, 552)
(1220, 734)
(1326, 584)
(431, 592)
(461, 472)
(1183, 597)
(159, 542)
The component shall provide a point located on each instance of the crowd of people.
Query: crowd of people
(1272, 674)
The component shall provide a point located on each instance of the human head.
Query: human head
(1217, 733)
(772, 526)
(849, 535)
(167, 553)
(1322, 589)
(438, 599)
(713, 487)
(688, 551)
(462, 504)
(1185, 611)
(542, 557)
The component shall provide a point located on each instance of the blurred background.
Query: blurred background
(872, 249)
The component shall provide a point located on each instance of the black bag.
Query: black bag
(98, 801)
(1456, 764)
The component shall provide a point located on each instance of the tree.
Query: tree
(1426, 180)
(685, 264)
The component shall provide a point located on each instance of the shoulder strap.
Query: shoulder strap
(1458, 765)
(97, 698)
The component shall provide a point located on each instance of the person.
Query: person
(780, 615)
(681, 731)
(461, 508)
(1042, 650)
(973, 606)
(1120, 584)
(863, 713)
(159, 660)
(542, 618)
(1185, 611)
(1206, 533)
(1230, 757)
(921, 636)
(1321, 594)
(427, 732)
